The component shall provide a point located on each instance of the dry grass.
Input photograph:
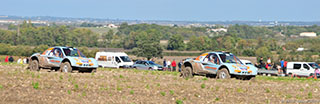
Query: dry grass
(135, 86)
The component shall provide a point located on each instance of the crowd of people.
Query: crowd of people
(171, 66)
(269, 65)
(19, 61)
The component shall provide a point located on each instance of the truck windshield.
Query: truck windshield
(73, 52)
(229, 58)
(125, 59)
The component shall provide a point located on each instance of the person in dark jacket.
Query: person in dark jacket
(179, 65)
(11, 59)
(165, 64)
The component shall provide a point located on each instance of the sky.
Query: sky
(175, 10)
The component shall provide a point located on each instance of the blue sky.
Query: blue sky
(189, 10)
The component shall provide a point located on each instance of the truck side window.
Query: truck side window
(296, 66)
(306, 66)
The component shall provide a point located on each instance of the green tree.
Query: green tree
(176, 43)
(148, 45)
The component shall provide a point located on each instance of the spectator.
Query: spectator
(19, 61)
(282, 63)
(11, 59)
(179, 65)
(7, 59)
(269, 63)
(164, 64)
(317, 72)
(173, 65)
(25, 61)
(169, 65)
(279, 69)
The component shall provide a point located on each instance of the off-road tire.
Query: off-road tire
(187, 72)
(150, 68)
(251, 78)
(66, 67)
(94, 70)
(223, 74)
(34, 65)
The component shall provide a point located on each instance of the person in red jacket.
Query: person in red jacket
(173, 64)
(7, 59)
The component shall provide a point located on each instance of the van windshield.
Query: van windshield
(125, 59)
(314, 65)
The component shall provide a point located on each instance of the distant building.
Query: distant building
(219, 30)
(300, 49)
(308, 34)
(111, 26)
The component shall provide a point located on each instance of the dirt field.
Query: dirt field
(128, 86)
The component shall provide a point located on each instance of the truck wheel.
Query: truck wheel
(250, 78)
(34, 65)
(93, 70)
(187, 72)
(223, 74)
(66, 67)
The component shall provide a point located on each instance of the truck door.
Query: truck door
(55, 57)
(211, 62)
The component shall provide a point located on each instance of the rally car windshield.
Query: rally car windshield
(72, 52)
(229, 58)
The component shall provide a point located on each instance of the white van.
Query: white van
(113, 59)
(301, 68)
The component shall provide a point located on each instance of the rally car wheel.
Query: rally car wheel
(34, 65)
(66, 67)
(93, 70)
(187, 72)
(223, 74)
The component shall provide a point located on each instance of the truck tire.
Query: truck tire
(66, 67)
(250, 78)
(187, 72)
(93, 70)
(223, 74)
(34, 65)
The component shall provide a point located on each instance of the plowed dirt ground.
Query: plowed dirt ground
(129, 86)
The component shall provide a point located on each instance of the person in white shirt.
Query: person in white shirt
(169, 65)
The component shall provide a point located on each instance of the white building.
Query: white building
(219, 30)
(308, 34)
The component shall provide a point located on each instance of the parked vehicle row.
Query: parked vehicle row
(220, 64)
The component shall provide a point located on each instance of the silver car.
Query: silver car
(147, 65)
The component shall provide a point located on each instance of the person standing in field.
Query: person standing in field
(11, 59)
(179, 65)
(7, 59)
(173, 65)
(164, 64)
(269, 63)
(169, 65)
